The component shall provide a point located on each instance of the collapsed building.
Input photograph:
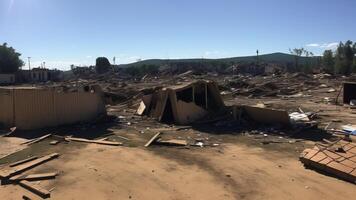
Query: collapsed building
(182, 104)
(34, 107)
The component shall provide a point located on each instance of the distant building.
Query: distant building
(39, 75)
(6, 79)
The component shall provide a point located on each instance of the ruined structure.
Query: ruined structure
(182, 104)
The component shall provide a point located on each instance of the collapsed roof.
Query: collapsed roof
(182, 104)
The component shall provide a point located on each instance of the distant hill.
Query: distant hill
(280, 58)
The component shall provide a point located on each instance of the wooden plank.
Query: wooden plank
(27, 166)
(173, 142)
(37, 139)
(35, 189)
(54, 142)
(155, 137)
(31, 197)
(34, 177)
(23, 161)
(94, 141)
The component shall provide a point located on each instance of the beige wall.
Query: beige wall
(38, 108)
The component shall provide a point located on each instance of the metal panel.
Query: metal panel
(38, 108)
(6, 107)
(34, 108)
(77, 106)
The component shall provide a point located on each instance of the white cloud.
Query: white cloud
(331, 45)
(312, 45)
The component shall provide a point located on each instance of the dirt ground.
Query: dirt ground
(235, 171)
(237, 166)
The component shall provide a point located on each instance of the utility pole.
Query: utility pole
(114, 58)
(257, 55)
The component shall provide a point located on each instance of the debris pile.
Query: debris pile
(335, 158)
(12, 174)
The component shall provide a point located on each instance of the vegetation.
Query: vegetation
(307, 65)
(328, 61)
(102, 65)
(10, 61)
(141, 70)
(342, 61)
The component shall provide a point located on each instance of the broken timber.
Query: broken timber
(94, 141)
(35, 189)
(154, 138)
(37, 139)
(23, 161)
(34, 177)
(173, 142)
(27, 166)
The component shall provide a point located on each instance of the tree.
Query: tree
(297, 54)
(344, 57)
(328, 62)
(102, 65)
(10, 61)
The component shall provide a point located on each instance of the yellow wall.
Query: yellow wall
(38, 108)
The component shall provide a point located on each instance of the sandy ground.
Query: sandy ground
(10, 145)
(234, 171)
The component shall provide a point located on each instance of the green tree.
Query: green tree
(328, 62)
(102, 65)
(344, 58)
(10, 61)
(297, 54)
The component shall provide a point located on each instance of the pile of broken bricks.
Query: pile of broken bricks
(335, 158)
(12, 174)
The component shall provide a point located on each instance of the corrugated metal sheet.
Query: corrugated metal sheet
(38, 108)
(6, 107)
(34, 108)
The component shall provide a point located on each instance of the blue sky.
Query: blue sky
(64, 32)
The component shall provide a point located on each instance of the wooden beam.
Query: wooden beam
(23, 161)
(27, 166)
(173, 142)
(34, 177)
(37, 139)
(155, 137)
(94, 141)
(35, 189)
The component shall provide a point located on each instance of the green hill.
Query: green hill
(279, 58)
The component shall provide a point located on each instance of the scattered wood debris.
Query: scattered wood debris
(34, 177)
(93, 141)
(37, 139)
(23, 161)
(9, 173)
(173, 142)
(54, 142)
(12, 130)
(154, 138)
(35, 189)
